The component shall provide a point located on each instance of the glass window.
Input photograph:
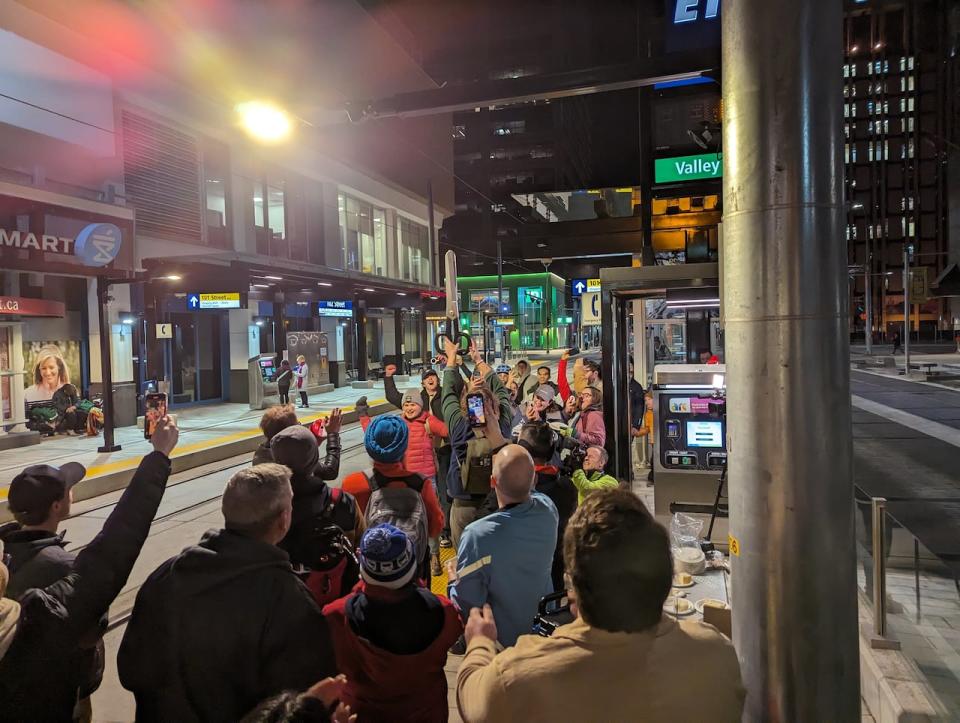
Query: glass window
(258, 214)
(380, 241)
(363, 235)
(276, 213)
(413, 244)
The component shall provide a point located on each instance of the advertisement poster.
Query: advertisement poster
(48, 366)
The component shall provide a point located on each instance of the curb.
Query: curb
(112, 481)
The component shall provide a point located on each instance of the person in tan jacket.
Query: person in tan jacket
(621, 659)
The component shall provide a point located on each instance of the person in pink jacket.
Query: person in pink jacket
(590, 429)
(420, 456)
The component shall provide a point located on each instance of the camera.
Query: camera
(575, 457)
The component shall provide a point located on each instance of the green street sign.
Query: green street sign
(688, 168)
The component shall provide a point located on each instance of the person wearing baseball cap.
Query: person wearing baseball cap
(39, 499)
(391, 636)
(45, 636)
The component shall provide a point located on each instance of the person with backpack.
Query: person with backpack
(468, 479)
(226, 623)
(391, 635)
(390, 493)
(326, 524)
(284, 379)
(422, 428)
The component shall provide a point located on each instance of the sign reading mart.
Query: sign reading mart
(688, 168)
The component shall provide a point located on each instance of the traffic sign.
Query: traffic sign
(198, 301)
(590, 308)
(593, 284)
(164, 331)
(578, 286)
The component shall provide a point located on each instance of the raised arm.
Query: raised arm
(390, 390)
(562, 382)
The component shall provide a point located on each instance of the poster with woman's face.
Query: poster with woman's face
(48, 365)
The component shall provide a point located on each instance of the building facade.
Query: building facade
(97, 136)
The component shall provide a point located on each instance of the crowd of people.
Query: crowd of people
(313, 602)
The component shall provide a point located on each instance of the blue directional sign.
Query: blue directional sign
(578, 286)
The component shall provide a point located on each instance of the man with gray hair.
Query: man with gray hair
(226, 623)
(504, 560)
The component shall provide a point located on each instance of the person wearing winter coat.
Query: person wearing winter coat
(296, 448)
(591, 477)
(284, 380)
(45, 635)
(301, 372)
(39, 499)
(276, 419)
(589, 427)
(226, 623)
(386, 440)
(620, 569)
(430, 395)
(71, 418)
(422, 428)
(391, 636)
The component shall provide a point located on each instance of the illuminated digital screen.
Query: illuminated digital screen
(705, 434)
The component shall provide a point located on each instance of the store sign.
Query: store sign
(688, 168)
(593, 285)
(342, 309)
(96, 245)
(689, 11)
(20, 306)
(197, 301)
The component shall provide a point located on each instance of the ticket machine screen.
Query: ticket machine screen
(705, 434)
(267, 370)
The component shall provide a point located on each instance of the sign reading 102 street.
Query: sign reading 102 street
(688, 168)
(197, 301)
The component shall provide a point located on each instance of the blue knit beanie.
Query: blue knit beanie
(386, 557)
(386, 438)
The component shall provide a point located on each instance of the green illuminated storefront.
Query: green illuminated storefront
(534, 311)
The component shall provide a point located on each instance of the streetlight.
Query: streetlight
(265, 122)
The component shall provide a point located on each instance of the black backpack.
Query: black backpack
(320, 551)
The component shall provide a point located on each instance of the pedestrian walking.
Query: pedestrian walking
(896, 342)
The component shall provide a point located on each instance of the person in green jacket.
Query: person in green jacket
(592, 477)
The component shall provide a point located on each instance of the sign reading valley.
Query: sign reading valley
(688, 168)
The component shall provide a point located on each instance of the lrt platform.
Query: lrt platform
(208, 433)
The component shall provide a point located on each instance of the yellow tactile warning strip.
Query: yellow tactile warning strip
(438, 585)
(122, 465)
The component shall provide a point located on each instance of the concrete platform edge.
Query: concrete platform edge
(113, 481)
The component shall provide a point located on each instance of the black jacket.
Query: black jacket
(219, 628)
(44, 666)
(313, 504)
(560, 489)
(327, 468)
(37, 558)
(395, 398)
(637, 404)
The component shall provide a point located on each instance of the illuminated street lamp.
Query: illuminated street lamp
(264, 121)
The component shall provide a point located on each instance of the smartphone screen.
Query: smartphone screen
(475, 410)
(155, 407)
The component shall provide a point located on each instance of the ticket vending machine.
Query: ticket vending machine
(262, 375)
(690, 453)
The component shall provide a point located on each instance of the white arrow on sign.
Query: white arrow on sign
(194, 301)
(579, 286)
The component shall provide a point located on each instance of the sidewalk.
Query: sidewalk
(208, 433)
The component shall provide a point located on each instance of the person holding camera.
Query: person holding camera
(591, 477)
(479, 426)
(620, 571)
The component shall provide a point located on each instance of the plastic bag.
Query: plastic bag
(685, 531)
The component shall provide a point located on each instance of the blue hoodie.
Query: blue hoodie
(505, 560)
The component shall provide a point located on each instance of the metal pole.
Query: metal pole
(878, 507)
(500, 309)
(868, 307)
(106, 370)
(906, 310)
(434, 241)
(786, 309)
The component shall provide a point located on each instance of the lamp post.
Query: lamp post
(906, 309)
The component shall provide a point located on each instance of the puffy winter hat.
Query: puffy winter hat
(296, 447)
(545, 392)
(386, 438)
(386, 557)
(413, 397)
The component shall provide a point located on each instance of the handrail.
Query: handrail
(878, 509)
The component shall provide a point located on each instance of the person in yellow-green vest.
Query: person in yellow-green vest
(592, 477)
